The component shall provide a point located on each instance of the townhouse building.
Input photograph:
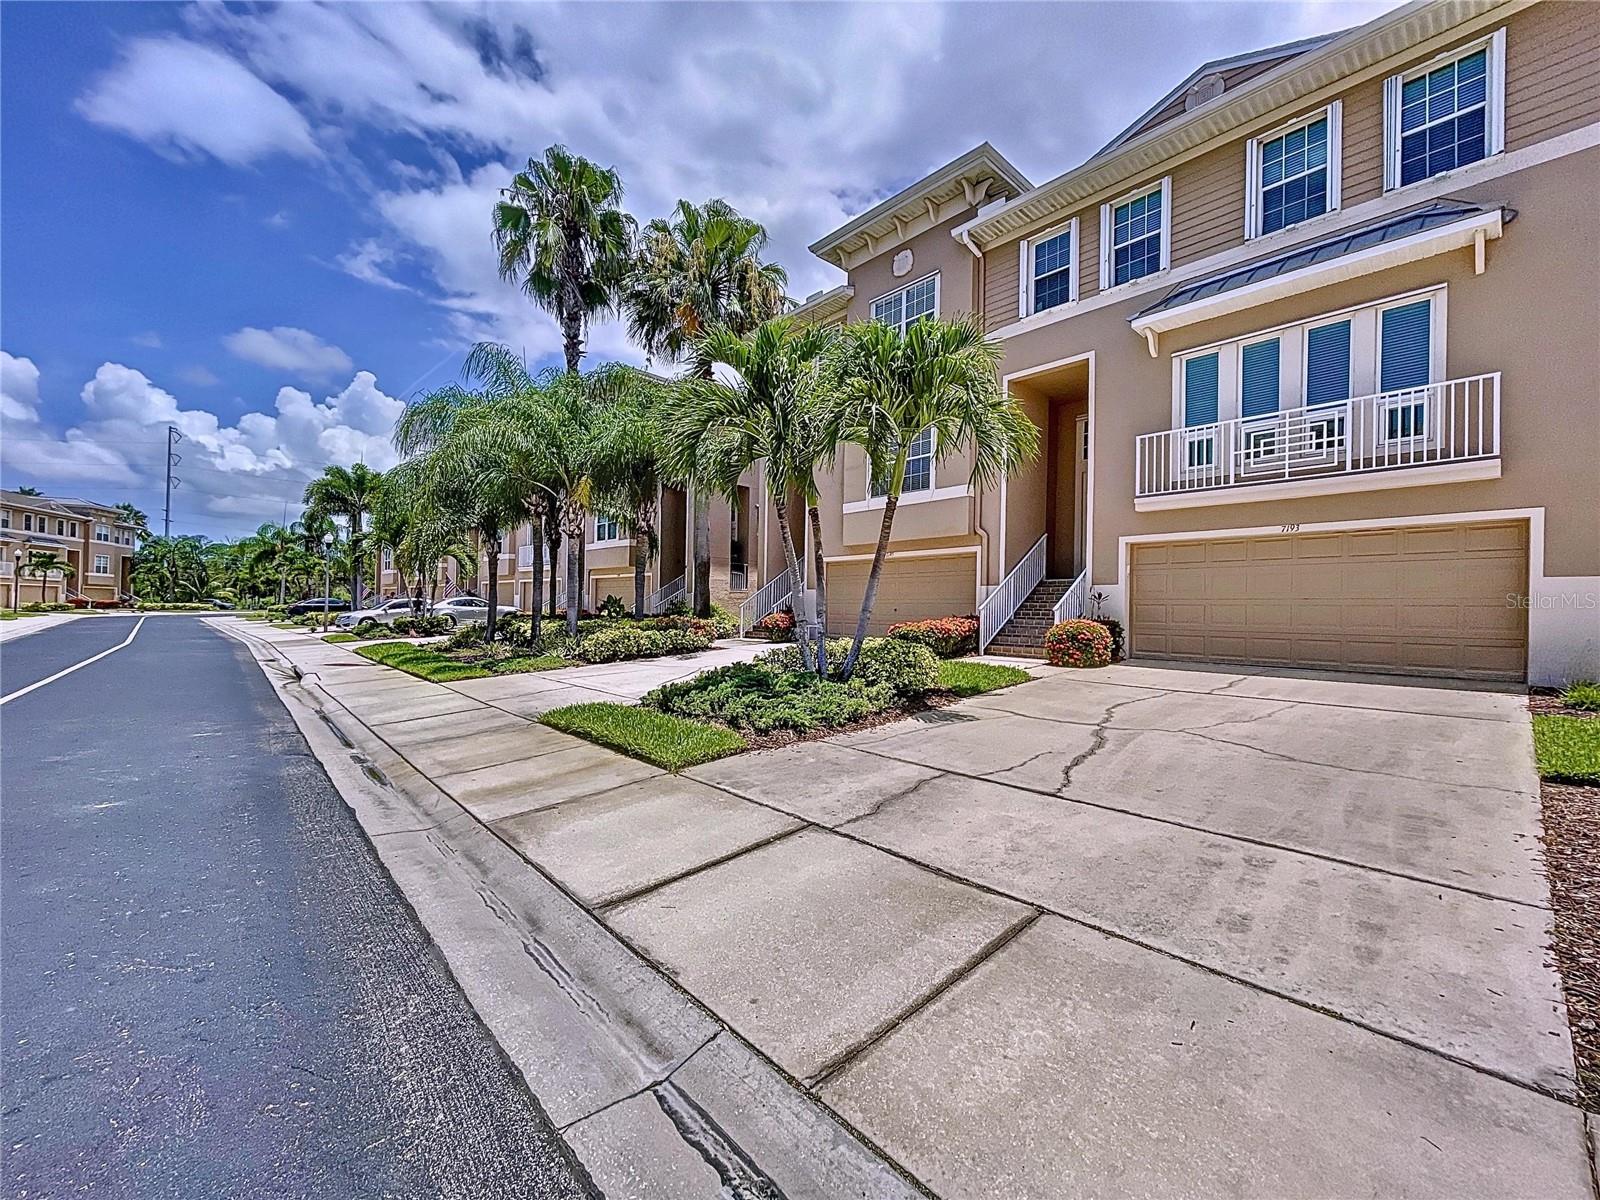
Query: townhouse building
(1314, 349)
(94, 540)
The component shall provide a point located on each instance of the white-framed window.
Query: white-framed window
(1448, 113)
(1135, 235)
(1050, 269)
(5, 518)
(1387, 346)
(102, 533)
(905, 305)
(388, 558)
(919, 469)
(102, 564)
(607, 529)
(72, 528)
(1292, 173)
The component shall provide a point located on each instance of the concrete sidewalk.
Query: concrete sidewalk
(1020, 950)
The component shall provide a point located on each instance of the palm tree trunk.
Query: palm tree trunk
(890, 503)
(796, 584)
(573, 603)
(493, 538)
(641, 556)
(552, 535)
(583, 565)
(814, 515)
(702, 553)
(537, 603)
(355, 556)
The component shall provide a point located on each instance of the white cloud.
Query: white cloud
(190, 100)
(19, 389)
(251, 468)
(285, 348)
(150, 339)
(369, 261)
(199, 376)
(278, 220)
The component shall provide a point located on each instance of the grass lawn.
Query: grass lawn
(429, 662)
(341, 637)
(287, 625)
(645, 733)
(966, 678)
(1567, 748)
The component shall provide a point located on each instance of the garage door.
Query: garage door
(1428, 600)
(910, 590)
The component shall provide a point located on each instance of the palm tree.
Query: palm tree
(270, 548)
(348, 492)
(561, 235)
(696, 271)
(172, 568)
(134, 517)
(937, 375)
(41, 563)
(774, 412)
(632, 465)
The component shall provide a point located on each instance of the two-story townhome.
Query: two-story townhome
(94, 540)
(1314, 348)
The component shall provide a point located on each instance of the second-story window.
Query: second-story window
(1446, 114)
(1050, 269)
(1133, 235)
(919, 468)
(5, 518)
(102, 533)
(915, 300)
(607, 529)
(1292, 174)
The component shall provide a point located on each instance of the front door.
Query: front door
(1080, 491)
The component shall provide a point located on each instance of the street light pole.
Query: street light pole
(327, 572)
(16, 581)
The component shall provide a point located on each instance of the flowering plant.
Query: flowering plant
(1078, 643)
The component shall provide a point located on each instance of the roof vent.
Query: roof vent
(1203, 91)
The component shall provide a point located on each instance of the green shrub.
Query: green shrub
(775, 626)
(612, 608)
(945, 636)
(906, 668)
(727, 623)
(678, 606)
(142, 606)
(629, 641)
(1078, 643)
(1114, 628)
(54, 606)
(645, 733)
(470, 636)
(699, 625)
(1582, 694)
(424, 626)
(1567, 748)
(754, 696)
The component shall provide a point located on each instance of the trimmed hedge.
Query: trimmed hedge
(1078, 643)
(948, 637)
(629, 641)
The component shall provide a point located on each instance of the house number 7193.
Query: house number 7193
(1289, 528)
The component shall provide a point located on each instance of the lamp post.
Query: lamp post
(327, 571)
(16, 581)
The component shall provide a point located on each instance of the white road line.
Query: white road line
(21, 692)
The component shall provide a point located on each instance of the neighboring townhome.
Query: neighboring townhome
(94, 540)
(1315, 349)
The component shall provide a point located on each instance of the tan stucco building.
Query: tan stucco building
(1314, 349)
(93, 539)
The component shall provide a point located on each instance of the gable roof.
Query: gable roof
(981, 174)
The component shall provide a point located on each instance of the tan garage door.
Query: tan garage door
(910, 590)
(1428, 600)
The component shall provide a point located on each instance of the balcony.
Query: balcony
(1444, 432)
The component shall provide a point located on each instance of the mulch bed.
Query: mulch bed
(788, 737)
(1546, 702)
(1572, 859)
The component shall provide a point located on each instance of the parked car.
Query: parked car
(465, 608)
(316, 604)
(383, 614)
(219, 605)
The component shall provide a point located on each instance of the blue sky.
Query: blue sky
(270, 225)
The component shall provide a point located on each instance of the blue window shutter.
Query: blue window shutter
(1200, 390)
(1259, 394)
(1328, 364)
(1405, 349)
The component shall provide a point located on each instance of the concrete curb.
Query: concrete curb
(655, 1095)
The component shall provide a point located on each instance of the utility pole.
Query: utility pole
(173, 459)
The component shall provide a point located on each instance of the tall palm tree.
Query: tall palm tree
(562, 236)
(632, 465)
(40, 563)
(140, 522)
(774, 412)
(697, 270)
(351, 493)
(270, 548)
(937, 375)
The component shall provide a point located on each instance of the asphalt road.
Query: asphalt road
(208, 985)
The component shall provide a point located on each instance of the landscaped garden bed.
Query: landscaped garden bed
(438, 664)
(1566, 738)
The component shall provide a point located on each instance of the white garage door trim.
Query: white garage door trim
(1547, 639)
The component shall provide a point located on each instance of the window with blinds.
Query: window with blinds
(1328, 363)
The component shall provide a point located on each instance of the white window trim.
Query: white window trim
(1334, 112)
(933, 472)
(926, 496)
(97, 570)
(1495, 107)
(1025, 276)
(1109, 207)
(906, 287)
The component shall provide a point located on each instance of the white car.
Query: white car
(465, 608)
(384, 614)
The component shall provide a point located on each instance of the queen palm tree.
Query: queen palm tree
(695, 271)
(774, 412)
(894, 386)
(632, 464)
(562, 236)
(351, 493)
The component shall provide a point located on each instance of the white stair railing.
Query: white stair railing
(767, 600)
(665, 594)
(1074, 601)
(1001, 604)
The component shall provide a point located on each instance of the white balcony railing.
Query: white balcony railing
(771, 596)
(1455, 421)
(1000, 605)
